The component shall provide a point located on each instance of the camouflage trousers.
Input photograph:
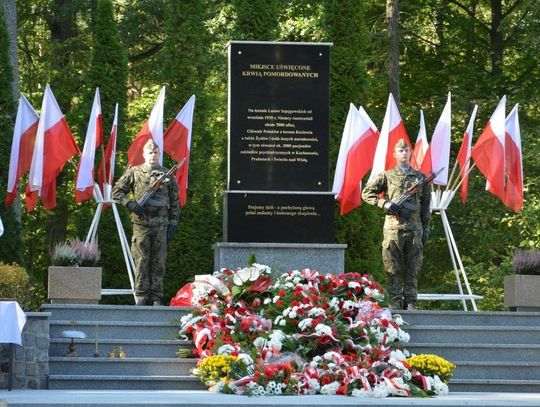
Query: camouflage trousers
(149, 250)
(402, 259)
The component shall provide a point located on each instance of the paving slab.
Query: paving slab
(163, 398)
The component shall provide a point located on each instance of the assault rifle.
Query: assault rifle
(154, 186)
(401, 202)
(415, 187)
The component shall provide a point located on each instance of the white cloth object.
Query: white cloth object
(1, 227)
(12, 320)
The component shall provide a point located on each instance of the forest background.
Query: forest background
(419, 49)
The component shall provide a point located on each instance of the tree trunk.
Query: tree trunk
(10, 13)
(392, 15)
(497, 42)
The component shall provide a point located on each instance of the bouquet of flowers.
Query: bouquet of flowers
(302, 333)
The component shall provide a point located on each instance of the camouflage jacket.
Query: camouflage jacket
(393, 183)
(162, 209)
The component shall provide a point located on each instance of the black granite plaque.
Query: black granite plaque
(278, 116)
(278, 218)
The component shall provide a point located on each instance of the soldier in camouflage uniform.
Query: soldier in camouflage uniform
(153, 225)
(406, 228)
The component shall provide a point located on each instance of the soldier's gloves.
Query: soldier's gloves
(170, 232)
(391, 208)
(135, 208)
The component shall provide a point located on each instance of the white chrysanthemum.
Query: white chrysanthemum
(244, 357)
(322, 329)
(255, 389)
(305, 323)
(397, 354)
(286, 311)
(267, 301)
(282, 322)
(392, 333)
(334, 303)
(361, 393)
(380, 390)
(403, 336)
(350, 305)
(353, 284)
(330, 388)
(315, 312)
(438, 386)
(276, 299)
(398, 320)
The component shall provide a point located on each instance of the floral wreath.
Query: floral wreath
(300, 333)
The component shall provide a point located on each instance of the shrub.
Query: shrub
(76, 252)
(526, 262)
(15, 284)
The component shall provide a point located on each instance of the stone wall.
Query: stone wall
(32, 359)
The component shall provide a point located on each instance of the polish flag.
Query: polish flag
(488, 152)
(439, 148)
(84, 184)
(392, 130)
(24, 137)
(355, 158)
(464, 156)
(421, 146)
(177, 140)
(106, 169)
(513, 194)
(54, 146)
(152, 129)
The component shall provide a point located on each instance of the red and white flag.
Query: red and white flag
(54, 146)
(464, 156)
(355, 158)
(84, 184)
(439, 148)
(513, 195)
(488, 152)
(177, 140)
(106, 169)
(152, 129)
(22, 146)
(421, 146)
(392, 130)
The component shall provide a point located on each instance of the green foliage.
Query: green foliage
(445, 46)
(11, 246)
(16, 284)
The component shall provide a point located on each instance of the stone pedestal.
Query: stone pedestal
(282, 257)
(521, 292)
(74, 285)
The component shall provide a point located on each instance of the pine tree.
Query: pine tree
(348, 84)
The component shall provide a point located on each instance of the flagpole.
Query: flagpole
(450, 181)
(465, 176)
(460, 174)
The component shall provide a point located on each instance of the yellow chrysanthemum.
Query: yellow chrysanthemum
(214, 368)
(431, 365)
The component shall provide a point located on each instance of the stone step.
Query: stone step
(97, 312)
(119, 382)
(147, 348)
(497, 370)
(132, 329)
(495, 386)
(121, 367)
(474, 334)
(471, 318)
(456, 352)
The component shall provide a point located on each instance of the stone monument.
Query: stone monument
(277, 205)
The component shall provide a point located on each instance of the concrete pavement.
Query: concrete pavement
(164, 398)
